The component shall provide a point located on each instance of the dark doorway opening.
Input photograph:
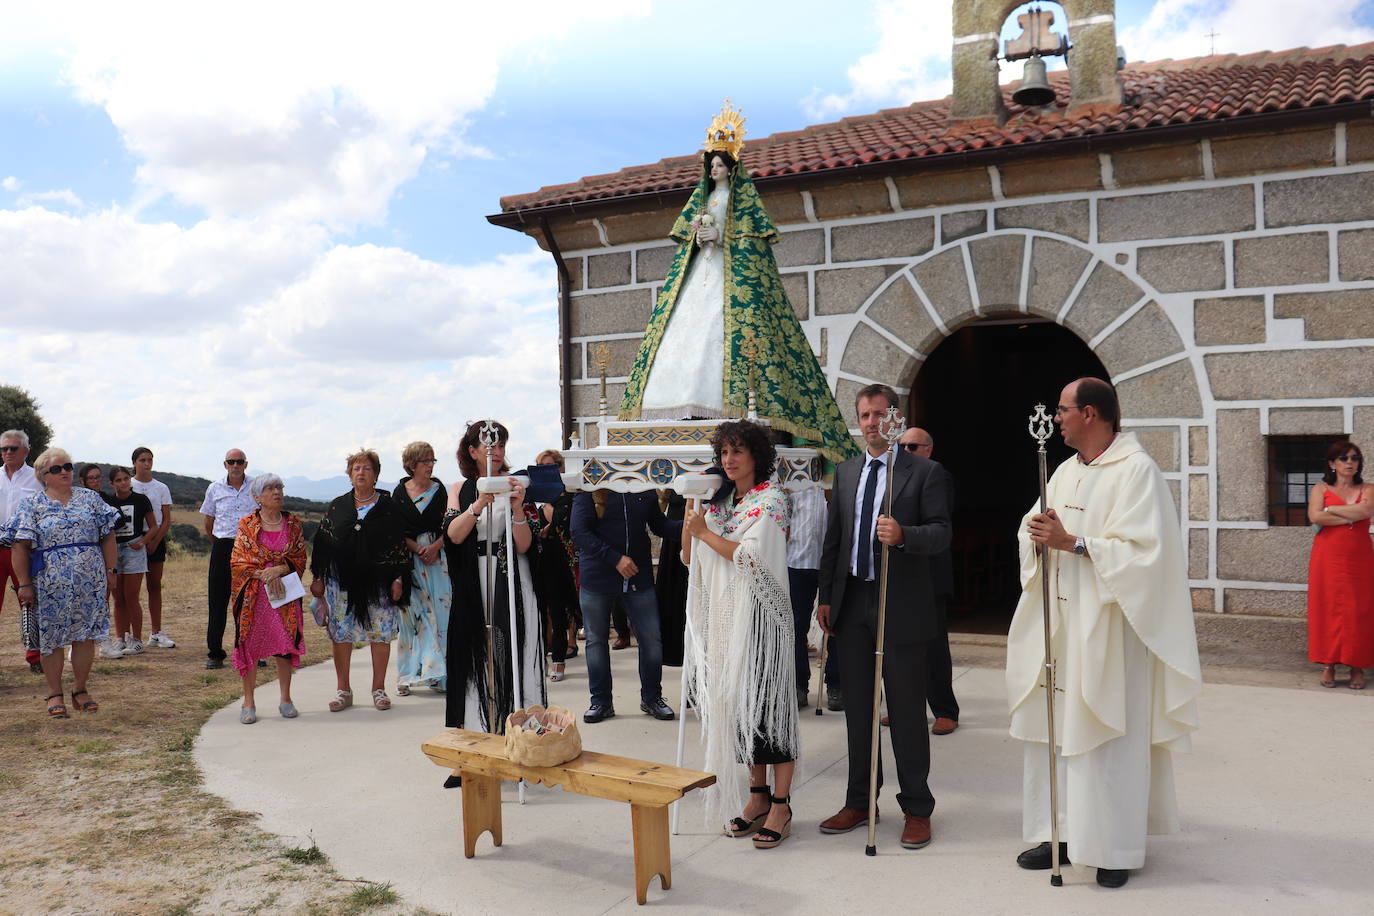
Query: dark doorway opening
(974, 394)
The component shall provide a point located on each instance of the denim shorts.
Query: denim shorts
(131, 561)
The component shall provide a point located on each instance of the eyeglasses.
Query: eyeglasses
(59, 468)
(10, 448)
(916, 446)
(1062, 408)
(426, 460)
(1353, 459)
(274, 486)
(235, 460)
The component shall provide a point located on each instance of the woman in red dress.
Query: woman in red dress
(1340, 577)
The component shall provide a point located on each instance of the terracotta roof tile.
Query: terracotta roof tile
(1155, 94)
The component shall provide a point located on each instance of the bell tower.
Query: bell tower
(1092, 58)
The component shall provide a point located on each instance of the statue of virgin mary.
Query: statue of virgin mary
(723, 320)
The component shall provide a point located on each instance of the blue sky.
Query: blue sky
(263, 226)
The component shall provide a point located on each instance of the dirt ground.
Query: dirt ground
(103, 813)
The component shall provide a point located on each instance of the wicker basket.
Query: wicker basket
(529, 748)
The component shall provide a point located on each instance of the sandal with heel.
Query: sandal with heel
(56, 710)
(767, 839)
(87, 705)
(743, 826)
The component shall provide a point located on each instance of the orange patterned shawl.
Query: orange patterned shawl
(249, 556)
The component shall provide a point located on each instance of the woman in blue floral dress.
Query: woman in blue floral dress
(64, 559)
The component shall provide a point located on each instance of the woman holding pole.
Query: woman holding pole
(482, 655)
(739, 658)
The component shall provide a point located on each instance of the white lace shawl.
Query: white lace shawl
(740, 663)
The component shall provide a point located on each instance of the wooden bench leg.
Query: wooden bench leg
(481, 810)
(650, 825)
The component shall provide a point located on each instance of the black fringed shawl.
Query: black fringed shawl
(467, 636)
(414, 522)
(365, 556)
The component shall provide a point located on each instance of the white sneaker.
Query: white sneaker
(132, 644)
(161, 641)
(112, 648)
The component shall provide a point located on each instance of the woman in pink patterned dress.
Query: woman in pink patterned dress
(270, 545)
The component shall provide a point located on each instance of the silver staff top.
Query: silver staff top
(488, 435)
(1041, 425)
(892, 426)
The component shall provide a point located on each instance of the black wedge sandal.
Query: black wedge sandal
(767, 839)
(741, 826)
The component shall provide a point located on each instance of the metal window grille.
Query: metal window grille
(1296, 465)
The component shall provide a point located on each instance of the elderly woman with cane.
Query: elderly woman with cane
(739, 655)
(64, 559)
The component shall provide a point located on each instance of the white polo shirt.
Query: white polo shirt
(14, 489)
(227, 505)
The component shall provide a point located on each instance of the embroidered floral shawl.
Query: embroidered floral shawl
(248, 557)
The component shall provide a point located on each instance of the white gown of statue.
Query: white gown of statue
(687, 378)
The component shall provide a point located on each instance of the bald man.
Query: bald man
(226, 501)
(939, 668)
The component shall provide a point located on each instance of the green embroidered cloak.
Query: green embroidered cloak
(790, 388)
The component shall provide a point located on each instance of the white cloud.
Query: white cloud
(354, 345)
(309, 110)
(910, 64)
(64, 196)
(1179, 29)
(286, 125)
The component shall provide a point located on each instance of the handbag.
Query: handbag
(28, 626)
(320, 611)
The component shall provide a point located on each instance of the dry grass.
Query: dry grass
(104, 813)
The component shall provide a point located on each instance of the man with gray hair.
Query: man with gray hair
(17, 481)
(226, 501)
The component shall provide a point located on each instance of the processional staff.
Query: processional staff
(695, 487)
(501, 488)
(489, 436)
(1041, 426)
(891, 427)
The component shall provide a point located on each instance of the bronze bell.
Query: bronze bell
(1034, 90)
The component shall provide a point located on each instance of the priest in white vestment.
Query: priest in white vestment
(1123, 639)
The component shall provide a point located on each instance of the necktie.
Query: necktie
(865, 560)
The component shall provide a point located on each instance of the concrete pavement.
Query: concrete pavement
(1275, 801)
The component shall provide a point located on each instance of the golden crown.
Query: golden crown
(726, 133)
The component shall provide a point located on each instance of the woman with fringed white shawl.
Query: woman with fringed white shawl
(740, 665)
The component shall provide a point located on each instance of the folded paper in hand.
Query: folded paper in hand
(292, 590)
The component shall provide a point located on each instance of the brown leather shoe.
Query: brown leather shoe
(944, 726)
(845, 820)
(916, 833)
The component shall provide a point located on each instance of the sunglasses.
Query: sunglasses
(10, 448)
(235, 460)
(1353, 459)
(914, 446)
(59, 468)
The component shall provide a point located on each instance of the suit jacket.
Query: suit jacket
(942, 564)
(920, 504)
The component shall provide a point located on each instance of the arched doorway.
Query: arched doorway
(974, 394)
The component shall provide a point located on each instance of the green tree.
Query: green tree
(18, 410)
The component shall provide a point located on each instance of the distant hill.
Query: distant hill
(190, 491)
(324, 490)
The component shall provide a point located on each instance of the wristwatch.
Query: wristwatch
(1080, 547)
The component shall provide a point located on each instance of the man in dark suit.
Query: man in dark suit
(850, 564)
(939, 667)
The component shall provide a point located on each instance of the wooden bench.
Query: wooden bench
(648, 788)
